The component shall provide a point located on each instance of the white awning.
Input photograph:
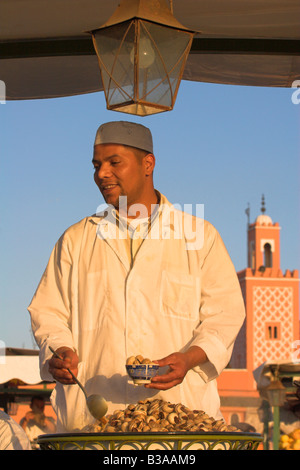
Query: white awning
(19, 364)
(45, 52)
(24, 368)
(262, 374)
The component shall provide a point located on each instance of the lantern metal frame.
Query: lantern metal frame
(139, 15)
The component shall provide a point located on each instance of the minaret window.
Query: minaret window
(273, 330)
(267, 255)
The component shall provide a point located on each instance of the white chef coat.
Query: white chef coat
(12, 436)
(175, 293)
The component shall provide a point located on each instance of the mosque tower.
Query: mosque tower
(271, 328)
(271, 299)
(264, 243)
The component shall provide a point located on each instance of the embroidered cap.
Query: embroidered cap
(125, 133)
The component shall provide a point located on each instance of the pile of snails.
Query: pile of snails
(160, 416)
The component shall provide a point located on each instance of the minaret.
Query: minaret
(263, 242)
(271, 299)
(270, 332)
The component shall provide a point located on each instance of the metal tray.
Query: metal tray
(151, 441)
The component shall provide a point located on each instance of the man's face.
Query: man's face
(38, 405)
(120, 172)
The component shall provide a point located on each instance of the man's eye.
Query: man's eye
(115, 162)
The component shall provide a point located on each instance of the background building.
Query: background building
(270, 330)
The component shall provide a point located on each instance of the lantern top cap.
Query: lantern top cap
(125, 133)
(156, 11)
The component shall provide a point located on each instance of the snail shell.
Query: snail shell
(168, 408)
(156, 429)
(139, 414)
(222, 428)
(204, 428)
(133, 425)
(131, 360)
(179, 408)
(164, 423)
(110, 428)
(146, 428)
(232, 428)
(153, 409)
(146, 361)
(141, 406)
(151, 419)
(217, 424)
(208, 420)
(125, 426)
(119, 414)
(153, 424)
(139, 359)
(194, 428)
(173, 418)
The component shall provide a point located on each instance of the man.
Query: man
(136, 278)
(35, 422)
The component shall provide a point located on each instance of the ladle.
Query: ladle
(96, 404)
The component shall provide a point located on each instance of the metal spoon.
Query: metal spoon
(96, 404)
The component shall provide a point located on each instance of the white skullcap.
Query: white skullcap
(125, 133)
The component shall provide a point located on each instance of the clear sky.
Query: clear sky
(222, 146)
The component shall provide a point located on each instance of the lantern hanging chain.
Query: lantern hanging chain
(171, 6)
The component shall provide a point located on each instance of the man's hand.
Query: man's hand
(179, 364)
(29, 416)
(57, 367)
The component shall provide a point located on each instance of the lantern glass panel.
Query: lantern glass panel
(276, 396)
(114, 45)
(158, 83)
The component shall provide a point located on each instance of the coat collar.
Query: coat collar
(166, 221)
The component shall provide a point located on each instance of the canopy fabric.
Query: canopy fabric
(24, 368)
(263, 373)
(45, 51)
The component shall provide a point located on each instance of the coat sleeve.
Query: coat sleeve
(222, 310)
(50, 308)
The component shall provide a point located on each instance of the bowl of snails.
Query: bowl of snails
(158, 425)
(141, 370)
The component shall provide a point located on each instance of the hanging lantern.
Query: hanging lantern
(142, 50)
(276, 393)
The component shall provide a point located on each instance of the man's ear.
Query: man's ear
(149, 164)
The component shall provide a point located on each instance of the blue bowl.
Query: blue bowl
(142, 373)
